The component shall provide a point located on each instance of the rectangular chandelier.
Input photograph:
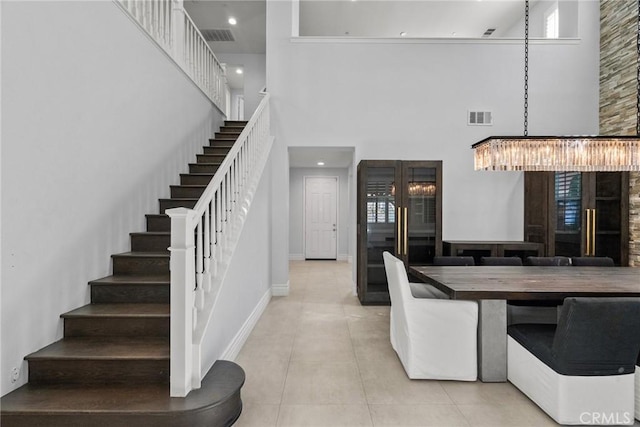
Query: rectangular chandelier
(558, 153)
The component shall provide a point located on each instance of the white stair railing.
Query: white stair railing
(202, 242)
(171, 27)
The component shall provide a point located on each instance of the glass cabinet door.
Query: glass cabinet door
(590, 216)
(420, 201)
(608, 223)
(380, 223)
(569, 213)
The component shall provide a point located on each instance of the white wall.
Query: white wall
(243, 287)
(296, 204)
(408, 100)
(254, 77)
(97, 123)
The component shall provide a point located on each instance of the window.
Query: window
(552, 23)
(380, 202)
(568, 190)
(380, 210)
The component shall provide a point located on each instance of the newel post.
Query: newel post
(182, 268)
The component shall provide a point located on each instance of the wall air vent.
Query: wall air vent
(223, 35)
(488, 32)
(479, 118)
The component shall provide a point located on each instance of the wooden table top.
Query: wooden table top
(530, 283)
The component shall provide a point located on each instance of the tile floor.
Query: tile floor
(319, 358)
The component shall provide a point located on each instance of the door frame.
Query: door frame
(304, 211)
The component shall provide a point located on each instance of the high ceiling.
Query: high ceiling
(250, 31)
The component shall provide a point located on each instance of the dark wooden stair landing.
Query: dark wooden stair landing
(112, 366)
(216, 403)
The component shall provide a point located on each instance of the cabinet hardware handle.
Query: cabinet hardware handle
(406, 234)
(398, 222)
(593, 232)
(588, 249)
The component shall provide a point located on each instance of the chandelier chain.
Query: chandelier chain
(638, 73)
(526, 69)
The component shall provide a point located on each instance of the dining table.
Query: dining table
(493, 286)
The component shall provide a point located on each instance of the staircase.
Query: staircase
(112, 366)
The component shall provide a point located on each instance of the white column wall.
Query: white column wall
(97, 122)
(407, 100)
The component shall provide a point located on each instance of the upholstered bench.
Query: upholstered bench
(582, 371)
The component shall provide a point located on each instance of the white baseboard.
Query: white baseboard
(280, 290)
(341, 257)
(233, 349)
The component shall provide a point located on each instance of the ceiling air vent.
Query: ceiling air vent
(488, 32)
(479, 118)
(223, 35)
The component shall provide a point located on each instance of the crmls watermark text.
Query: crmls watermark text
(606, 418)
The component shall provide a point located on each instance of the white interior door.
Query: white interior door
(240, 107)
(320, 217)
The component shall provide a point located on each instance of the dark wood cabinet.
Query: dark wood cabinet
(400, 211)
(578, 214)
(492, 248)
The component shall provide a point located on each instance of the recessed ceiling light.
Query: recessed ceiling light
(320, 163)
(232, 21)
(403, 33)
(453, 34)
(239, 71)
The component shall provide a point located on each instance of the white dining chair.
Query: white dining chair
(434, 337)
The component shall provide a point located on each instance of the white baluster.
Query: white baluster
(207, 250)
(218, 201)
(199, 266)
(223, 218)
(212, 239)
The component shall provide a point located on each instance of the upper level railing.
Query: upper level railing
(202, 242)
(171, 27)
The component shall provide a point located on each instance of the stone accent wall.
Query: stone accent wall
(618, 92)
(634, 220)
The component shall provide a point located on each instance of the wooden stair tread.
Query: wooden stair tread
(150, 233)
(120, 310)
(141, 255)
(220, 385)
(105, 348)
(164, 279)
